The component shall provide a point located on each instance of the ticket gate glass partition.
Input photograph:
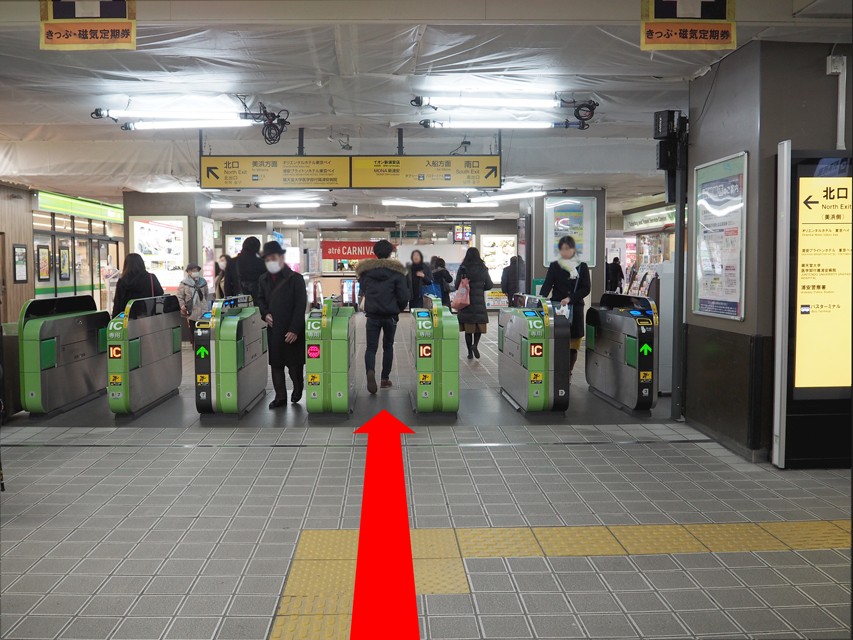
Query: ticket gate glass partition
(533, 360)
(435, 342)
(230, 367)
(63, 353)
(330, 343)
(144, 354)
(622, 352)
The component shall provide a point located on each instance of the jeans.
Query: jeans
(388, 327)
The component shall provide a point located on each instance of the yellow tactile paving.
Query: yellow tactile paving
(650, 539)
(578, 541)
(440, 575)
(843, 524)
(808, 535)
(328, 545)
(434, 543)
(745, 536)
(294, 627)
(497, 543)
(315, 605)
(320, 578)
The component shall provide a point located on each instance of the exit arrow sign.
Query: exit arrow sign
(201, 352)
(645, 349)
(211, 171)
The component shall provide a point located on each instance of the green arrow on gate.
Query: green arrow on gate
(645, 349)
(201, 352)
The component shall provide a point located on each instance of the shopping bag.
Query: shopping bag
(462, 298)
(431, 290)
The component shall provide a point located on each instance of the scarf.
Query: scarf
(196, 286)
(571, 265)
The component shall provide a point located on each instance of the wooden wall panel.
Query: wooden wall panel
(16, 225)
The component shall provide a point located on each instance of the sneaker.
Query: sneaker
(385, 384)
(371, 381)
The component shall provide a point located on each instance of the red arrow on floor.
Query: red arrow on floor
(384, 576)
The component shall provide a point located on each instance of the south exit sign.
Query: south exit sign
(426, 172)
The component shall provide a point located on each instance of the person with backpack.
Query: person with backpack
(384, 284)
(283, 301)
(473, 317)
(192, 295)
(441, 276)
(568, 283)
(135, 282)
(243, 272)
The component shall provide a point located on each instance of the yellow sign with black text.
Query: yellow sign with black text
(824, 283)
(313, 379)
(202, 379)
(115, 380)
(425, 378)
(687, 24)
(645, 376)
(426, 172)
(274, 172)
(82, 26)
(535, 378)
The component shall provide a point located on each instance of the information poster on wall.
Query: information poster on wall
(160, 242)
(719, 203)
(20, 258)
(569, 216)
(206, 250)
(43, 257)
(496, 252)
(65, 263)
(234, 244)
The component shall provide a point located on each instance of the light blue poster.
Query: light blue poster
(573, 217)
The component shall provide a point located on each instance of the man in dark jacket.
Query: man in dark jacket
(509, 280)
(283, 301)
(242, 273)
(383, 284)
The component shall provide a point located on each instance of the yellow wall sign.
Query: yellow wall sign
(535, 378)
(824, 282)
(115, 380)
(645, 376)
(685, 24)
(425, 378)
(79, 26)
(425, 172)
(202, 379)
(314, 379)
(274, 172)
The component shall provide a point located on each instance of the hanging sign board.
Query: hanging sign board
(687, 24)
(77, 26)
(649, 220)
(274, 172)
(425, 172)
(333, 250)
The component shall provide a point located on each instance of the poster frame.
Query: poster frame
(590, 230)
(42, 249)
(19, 251)
(694, 305)
(65, 274)
(131, 221)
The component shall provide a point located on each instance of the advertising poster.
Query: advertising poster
(574, 217)
(495, 299)
(64, 263)
(43, 257)
(234, 244)
(206, 255)
(161, 245)
(496, 252)
(720, 210)
(20, 258)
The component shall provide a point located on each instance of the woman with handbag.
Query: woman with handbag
(135, 283)
(441, 277)
(472, 282)
(192, 295)
(568, 283)
(419, 276)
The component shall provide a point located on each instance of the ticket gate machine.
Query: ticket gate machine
(435, 343)
(622, 352)
(230, 367)
(533, 360)
(330, 344)
(144, 355)
(63, 353)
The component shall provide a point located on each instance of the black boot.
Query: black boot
(280, 386)
(476, 342)
(469, 342)
(298, 384)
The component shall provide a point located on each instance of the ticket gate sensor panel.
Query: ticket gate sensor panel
(230, 367)
(533, 355)
(63, 353)
(435, 343)
(330, 351)
(622, 352)
(144, 355)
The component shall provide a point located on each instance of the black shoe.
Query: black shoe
(275, 404)
(476, 353)
(296, 396)
(371, 381)
(470, 354)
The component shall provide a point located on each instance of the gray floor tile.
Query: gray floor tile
(38, 627)
(490, 582)
(670, 580)
(445, 605)
(497, 603)
(192, 629)
(556, 627)
(759, 620)
(535, 603)
(59, 605)
(658, 625)
(95, 628)
(505, 627)
(608, 626)
(625, 581)
(641, 601)
(593, 602)
(452, 628)
(688, 600)
(581, 582)
(707, 622)
(243, 629)
(18, 603)
(155, 606)
(827, 594)
(532, 582)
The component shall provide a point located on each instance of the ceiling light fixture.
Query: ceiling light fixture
(143, 125)
(426, 204)
(288, 205)
(489, 124)
(221, 205)
(510, 196)
(475, 219)
(511, 103)
(297, 222)
(170, 115)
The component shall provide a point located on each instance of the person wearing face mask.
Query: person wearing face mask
(568, 282)
(192, 295)
(219, 281)
(241, 275)
(283, 300)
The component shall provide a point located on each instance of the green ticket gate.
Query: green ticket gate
(621, 352)
(533, 360)
(435, 343)
(63, 353)
(144, 354)
(330, 344)
(230, 370)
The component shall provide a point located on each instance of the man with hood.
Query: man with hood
(192, 294)
(283, 301)
(383, 283)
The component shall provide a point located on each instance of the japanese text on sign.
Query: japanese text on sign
(274, 172)
(423, 172)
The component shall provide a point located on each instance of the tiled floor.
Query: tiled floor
(175, 527)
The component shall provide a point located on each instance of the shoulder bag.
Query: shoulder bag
(463, 294)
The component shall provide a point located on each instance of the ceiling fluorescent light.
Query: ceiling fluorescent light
(176, 114)
(490, 124)
(511, 196)
(186, 124)
(221, 205)
(485, 102)
(288, 205)
(474, 219)
(297, 222)
(463, 205)
(420, 204)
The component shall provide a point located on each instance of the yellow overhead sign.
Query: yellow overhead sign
(424, 172)
(824, 283)
(275, 172)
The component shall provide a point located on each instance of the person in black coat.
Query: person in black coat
(441, 276)
(419, 275)
(135, 282)
(568, 282)
(283, 301)
(509, 279)
(474, 319)
(242, 273)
